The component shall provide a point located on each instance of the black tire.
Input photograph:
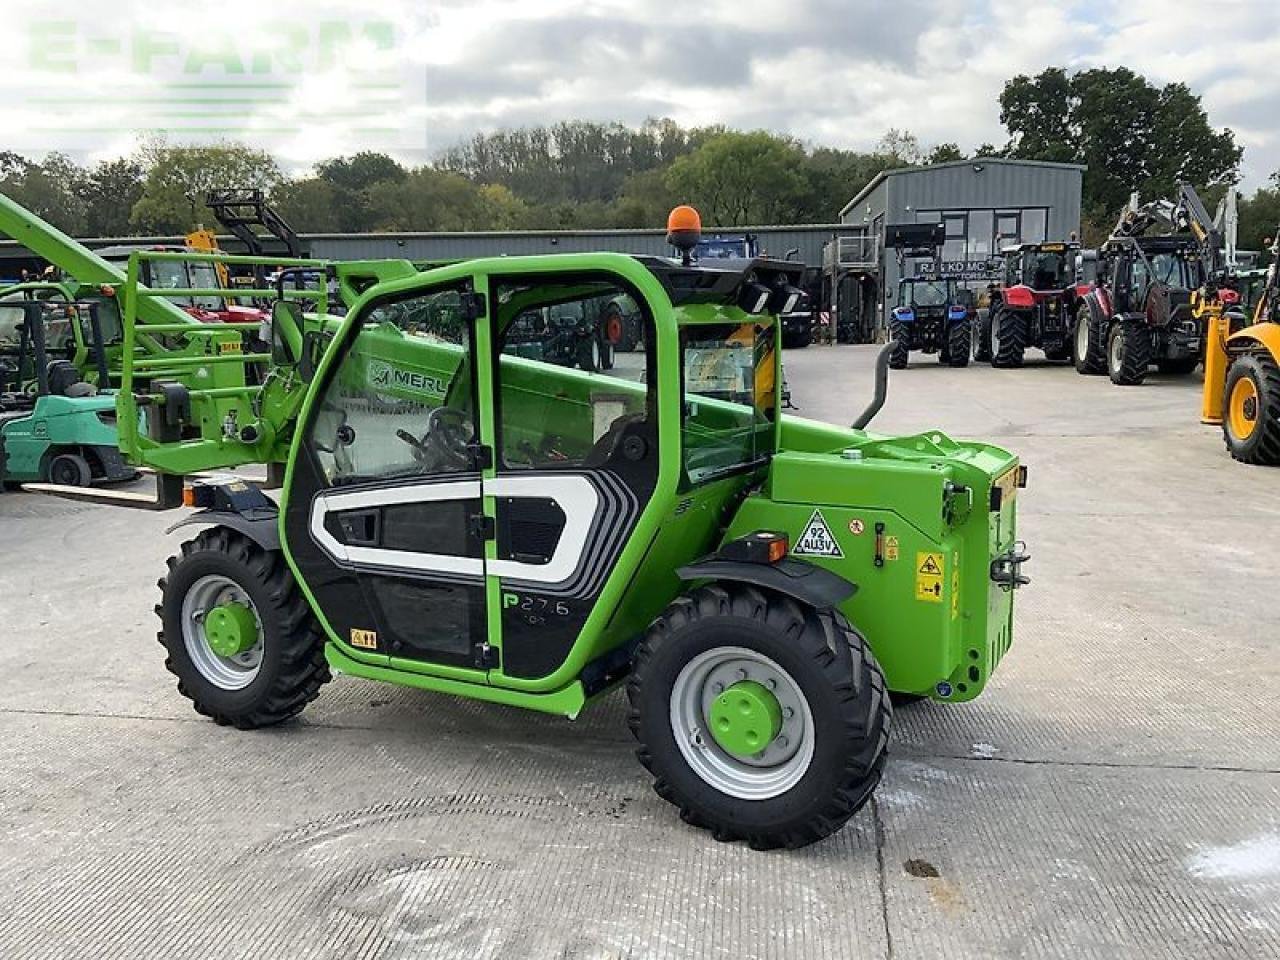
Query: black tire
(69, 470)
(293, 666)
(1128, 352)
(841, 684)
(1090, 346)
(1262, 446)
(958, 336)
(1180, 367)
(1008, 337)
(900, 336)
(981, 337)
(589, 354)
(606, 356)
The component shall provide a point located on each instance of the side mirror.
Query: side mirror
(286, 315)
(313, 347)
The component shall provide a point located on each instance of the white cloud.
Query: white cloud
(835, 72)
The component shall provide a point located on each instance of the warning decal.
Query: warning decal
(817, 541)
(930, 568)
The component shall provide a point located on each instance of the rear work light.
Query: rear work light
(763, 546)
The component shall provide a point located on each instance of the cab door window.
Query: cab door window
(402, 402)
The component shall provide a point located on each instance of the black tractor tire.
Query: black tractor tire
(826, 659)
(1008, 337)
(1261, 446)
(292, 667)
(900, 336)
(1128, 352)
(981, 337)
(1180, 367)
(69, 470)
(588, 357)
(958, 335)
(1090, 347)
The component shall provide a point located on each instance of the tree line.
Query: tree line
(1131, 134)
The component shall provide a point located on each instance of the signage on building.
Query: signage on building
(986, 268)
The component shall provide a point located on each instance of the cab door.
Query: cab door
(384, 517)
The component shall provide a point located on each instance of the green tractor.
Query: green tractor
(54, 426)
(516, 531)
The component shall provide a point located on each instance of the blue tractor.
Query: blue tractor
(934, 312)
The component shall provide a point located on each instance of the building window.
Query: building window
(1033, 225)
(1008, 228)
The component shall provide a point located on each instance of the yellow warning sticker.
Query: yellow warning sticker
(364, 639)
(930, 569)
(891, 548)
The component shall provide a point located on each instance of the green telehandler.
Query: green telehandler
(456, 517)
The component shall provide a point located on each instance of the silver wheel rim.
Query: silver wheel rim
(226, 673)
(773, 771)
(1116, 352)
(1082, 339)
(995, 336)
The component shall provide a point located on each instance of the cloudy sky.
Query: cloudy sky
(311, 79)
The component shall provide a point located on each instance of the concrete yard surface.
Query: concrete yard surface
(1115, 792)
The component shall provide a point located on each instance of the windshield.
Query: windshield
(1047, 271)
(180, 275)
(721, 249)
(729, 402)
(1171, 270)
(204, 276)
(925, 295)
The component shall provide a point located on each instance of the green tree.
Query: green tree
(945, 153)
(353, 180)
(310, 205)
(178, 179)
(1260, 217)
(736, 179)
(1131, 134)
(902, 146)
(51, 190)
(109, 192)
(833, 178)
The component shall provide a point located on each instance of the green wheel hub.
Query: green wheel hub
(230, 629)
(745, 718)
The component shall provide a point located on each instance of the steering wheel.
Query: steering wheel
(443, 448)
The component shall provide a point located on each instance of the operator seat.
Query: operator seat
(65, 381)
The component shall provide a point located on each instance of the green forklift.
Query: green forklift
(55, 427)
(524, 533)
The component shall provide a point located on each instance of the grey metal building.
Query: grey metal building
(985, 205)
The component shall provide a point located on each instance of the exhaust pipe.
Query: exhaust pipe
(882, 387)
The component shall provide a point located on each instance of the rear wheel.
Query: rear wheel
(1251, 426)
(900, 336)
(1128, 352)
(1090, 347)
(958, 344)
(1008, 337)
(70, 470)
(761, 719)
(240, 637)
(589, 354)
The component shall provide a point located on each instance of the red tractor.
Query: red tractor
(1034, 305)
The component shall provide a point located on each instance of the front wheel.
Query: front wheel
(900, 336)
(1090, 347)
(760, 719)
(1251, 425)
(70, 470)
(981, 337)
(1008, 337)
(240, 637)
(958, 344)
(1128, 352)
